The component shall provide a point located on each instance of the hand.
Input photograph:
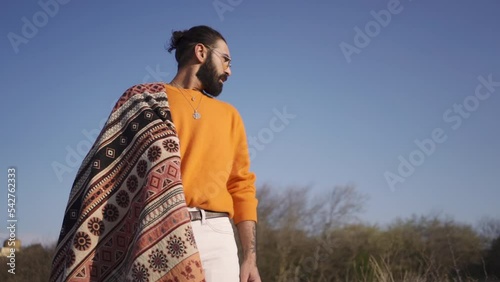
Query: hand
(249, 272)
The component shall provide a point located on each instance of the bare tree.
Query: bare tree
(340, 206)
(489, 228)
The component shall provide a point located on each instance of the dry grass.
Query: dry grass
(32, 265)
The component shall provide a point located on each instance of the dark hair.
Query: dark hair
(184, 41)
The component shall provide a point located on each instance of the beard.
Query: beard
(209, 77)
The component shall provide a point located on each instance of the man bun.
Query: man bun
(175, 40)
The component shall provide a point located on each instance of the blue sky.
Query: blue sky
(354, 116)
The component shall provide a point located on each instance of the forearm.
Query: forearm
(248, 239)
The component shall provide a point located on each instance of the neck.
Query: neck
(186, 78)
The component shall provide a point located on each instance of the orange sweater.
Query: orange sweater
(214, 155)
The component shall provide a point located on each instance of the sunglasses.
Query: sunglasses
(226, 60)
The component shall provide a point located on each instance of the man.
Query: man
(215, 159)
(153, 198)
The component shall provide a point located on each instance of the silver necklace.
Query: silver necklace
(196, 114)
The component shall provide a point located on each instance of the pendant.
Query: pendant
(196, 115)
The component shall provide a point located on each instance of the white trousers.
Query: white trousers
(217, 246)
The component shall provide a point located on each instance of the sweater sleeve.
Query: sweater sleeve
(241, 182)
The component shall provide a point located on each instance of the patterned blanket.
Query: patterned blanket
(126, 218)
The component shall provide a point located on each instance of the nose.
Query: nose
(228, 71)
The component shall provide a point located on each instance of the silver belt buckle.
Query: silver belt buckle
(194, 214)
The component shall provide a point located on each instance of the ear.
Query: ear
(200, 52)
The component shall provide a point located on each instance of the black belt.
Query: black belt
(196, 215)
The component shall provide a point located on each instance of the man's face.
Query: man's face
(215, 70)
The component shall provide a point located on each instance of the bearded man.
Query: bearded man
(155, 196)
(214, 151)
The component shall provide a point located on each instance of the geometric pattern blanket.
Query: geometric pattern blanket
(126, 218)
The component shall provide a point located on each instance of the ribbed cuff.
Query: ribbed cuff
(245, 211)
